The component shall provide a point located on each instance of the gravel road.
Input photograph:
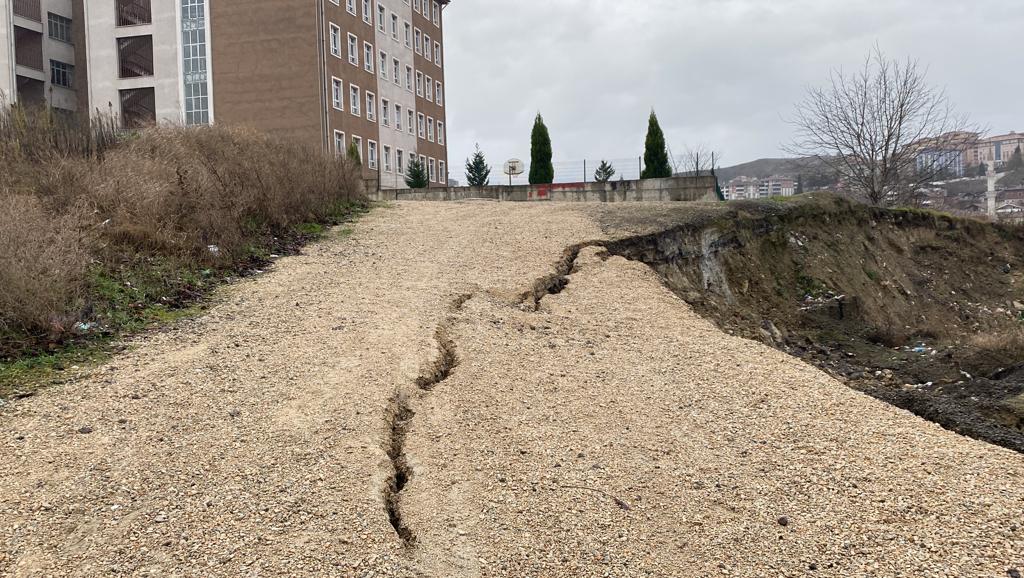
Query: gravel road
(390, 404)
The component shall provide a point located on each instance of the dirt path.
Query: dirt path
(317, 423)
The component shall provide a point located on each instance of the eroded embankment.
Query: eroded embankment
(918, 309)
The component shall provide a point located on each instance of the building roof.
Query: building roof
(1013, 135)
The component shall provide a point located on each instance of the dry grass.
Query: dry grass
(1004, 344)
(80, 205)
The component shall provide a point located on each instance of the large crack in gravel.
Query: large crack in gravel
(556, 282)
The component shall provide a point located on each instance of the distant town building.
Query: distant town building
(37, 52)
(996, 151)
(753, 188)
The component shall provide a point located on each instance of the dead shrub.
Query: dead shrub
(1008, 345)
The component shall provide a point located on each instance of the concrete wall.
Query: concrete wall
(7, 84)
(648, 190)
(101, 55)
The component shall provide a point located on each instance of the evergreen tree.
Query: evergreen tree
(354, 155)
(1016, 161)
(416, 174)
(478, 172)
(604, 172)
(799, 184)
(542, 172)
(656, 164)
(982, 170)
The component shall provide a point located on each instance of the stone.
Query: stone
(85, 430)
(783, 521)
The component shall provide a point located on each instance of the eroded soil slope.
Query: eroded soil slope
(919, 309)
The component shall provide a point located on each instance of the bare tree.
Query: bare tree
(696, 161)
(883, 129)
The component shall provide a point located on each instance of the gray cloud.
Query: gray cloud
(723, 73)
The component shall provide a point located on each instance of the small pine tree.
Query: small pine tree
(982, 170)
(1016, 161)
(478, 172)
(354, 154)
(656, 164)
(542, 172)
(416, 175)
(604, 172)
(799, 184)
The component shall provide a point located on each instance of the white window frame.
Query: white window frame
(400, 161)
(440, 133)
(438, 93)
(371, 154)
(408, 78)
(371, 106)
(338, 93)
(394, 26)
(426, 48)
(417, 40)
(442, 172)
(385, 112)
(398, 117)
(430, 88)
(419, 83)
(382, 17)
(437, 15)
(437, 54)
(353, 49)
(368, 63)
(340, 151)
(411, 128)
(335, 40)
(383, 64)
(421, 128)
(432, 164)
(386, 156)
(430, 128)
(396, 64)
(350, 6)
(358, 141)
(408, 35)
(355, 105)
(367, 8)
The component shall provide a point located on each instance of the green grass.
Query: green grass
(23, 377)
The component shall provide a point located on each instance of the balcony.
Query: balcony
(135, 56)
(134, 12)
(28, 48)
(28, 9)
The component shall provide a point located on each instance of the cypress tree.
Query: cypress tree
(542, 172)
(604, 172)
(656, 164)
(416, 175)
(1016, 161)
(800, 184)
(478, 172)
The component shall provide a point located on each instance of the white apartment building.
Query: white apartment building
(148, 61)
(37, 53)
(396, 73)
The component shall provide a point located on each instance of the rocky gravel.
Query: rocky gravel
(609, 432)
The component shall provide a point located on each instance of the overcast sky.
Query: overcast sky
(722, 73)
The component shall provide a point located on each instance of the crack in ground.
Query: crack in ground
(556, 282)
(401, 414)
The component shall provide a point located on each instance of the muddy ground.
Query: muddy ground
(918, 309)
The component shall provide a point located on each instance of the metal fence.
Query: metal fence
(567, 171)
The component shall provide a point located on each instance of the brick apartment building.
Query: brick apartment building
(328, 73)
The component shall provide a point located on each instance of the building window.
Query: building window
(398, 117)
(430, 128)
(367, 17)
(358, 142)
(385, 112)
(368, 56)
(371, 149)
(59, 27)
(62, 74)
(371, 106)
(421, 125)
(419, 84)
(418, 39)
(442, 172)
(439, 94)
(338, 93)
(408, 35)
(440, 132)
(353, 50)
(430, 89)
(383, 65)
(396, 67)
(138, 107)
(134, 12)
(400, 161)
(135, 56)
(386, 151)
(411, 122)
(339, 143)
(382, 16)
(433, 171)
(350, 5)
(195, 75)
(354, 105)
(437, 14)
(336, 40)
(394, 26)
(426, 48)
(408, 78)
(437, 53)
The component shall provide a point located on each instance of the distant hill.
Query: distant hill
(815, 172)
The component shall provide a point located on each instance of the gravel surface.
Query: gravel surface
(612, 432)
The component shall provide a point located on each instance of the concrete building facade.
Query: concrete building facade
(328, 73)
(38, 53)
